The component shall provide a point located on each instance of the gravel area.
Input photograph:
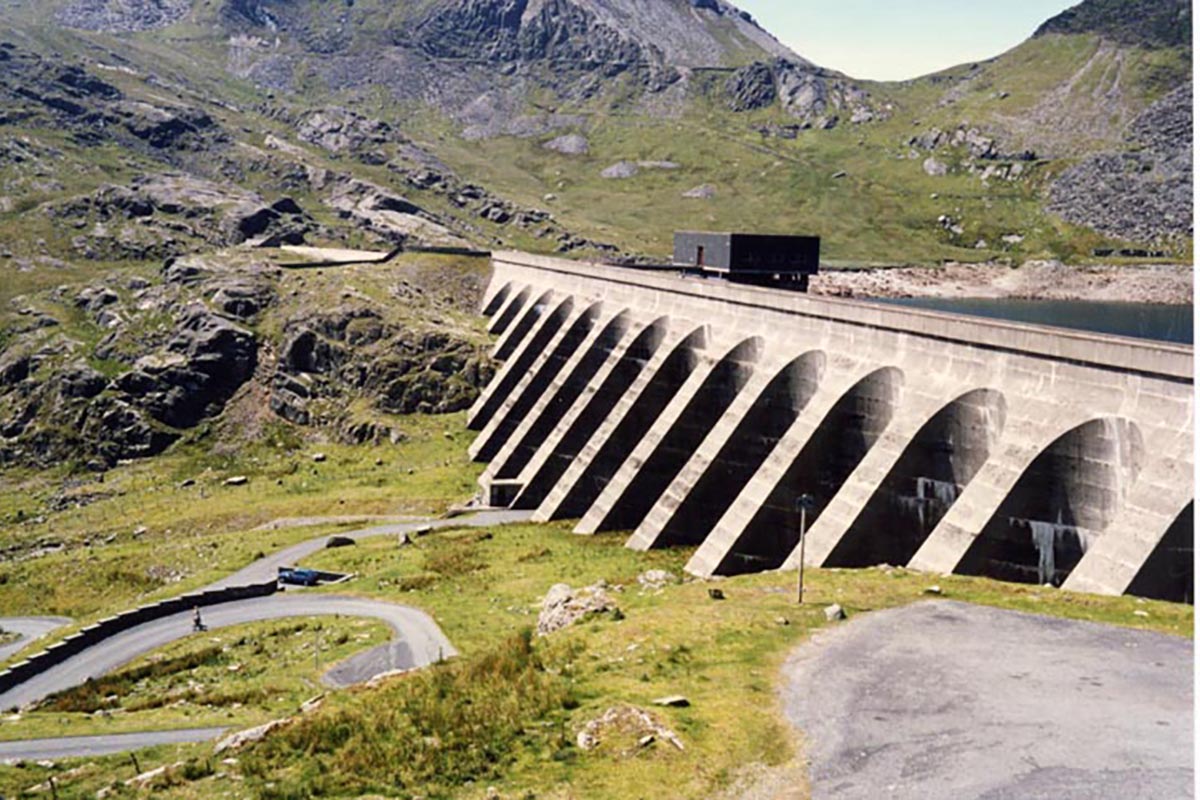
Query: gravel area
(1034, 280)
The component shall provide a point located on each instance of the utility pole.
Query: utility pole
(804, 502)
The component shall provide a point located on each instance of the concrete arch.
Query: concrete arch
(1168, 574)
(513, 339)
(632, 426)
(608, 341)
(724, 382)
(768, 419)
(833, 451)
(626, 371)
(539, 382)
(1061, 503)
(929, 476)
(493, 306)
(510, 311)
(511, 375)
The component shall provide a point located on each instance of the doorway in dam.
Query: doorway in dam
(1168, 572)
(598, 354)
(601, 404)
(513, 373)
(716, 394)
(931, 473)
(772, 414)
(617, 446)
(833, 451)
(540, 382)
(1061, 504)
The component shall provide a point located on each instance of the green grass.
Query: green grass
(234, 677)
(485, 590)
(195, 534)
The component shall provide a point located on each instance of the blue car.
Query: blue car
(298, 576)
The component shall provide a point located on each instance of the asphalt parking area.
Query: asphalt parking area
(949, 700)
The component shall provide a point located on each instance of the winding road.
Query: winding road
(418, 640)
(30, 630)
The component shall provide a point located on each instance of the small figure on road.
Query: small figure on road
(197, 623)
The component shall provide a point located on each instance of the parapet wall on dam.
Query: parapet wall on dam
(696, 412)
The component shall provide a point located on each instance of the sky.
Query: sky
(900, 39)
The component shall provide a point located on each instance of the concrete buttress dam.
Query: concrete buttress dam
(696, 412)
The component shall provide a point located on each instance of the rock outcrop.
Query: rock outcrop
(817, 97)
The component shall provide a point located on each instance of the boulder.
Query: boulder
(564, 606)
(236, 741)
(573, 144)
(751, 88)
(655, 579)
(834, 612)
(80, 381)
(625, 723)
(620, 171)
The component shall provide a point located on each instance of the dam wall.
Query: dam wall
(690, 411)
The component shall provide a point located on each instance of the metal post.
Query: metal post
(804, 502)
(800, 579)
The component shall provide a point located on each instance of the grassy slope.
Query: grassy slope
(724, 656)
(884, 209)
(1065, 94)
(235, 677)
(199, 533)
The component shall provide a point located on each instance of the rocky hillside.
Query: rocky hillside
(126, 364)
(154, 152)
(1142, 192)
(1154, 23)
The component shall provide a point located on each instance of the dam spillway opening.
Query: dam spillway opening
(592, 416)
(566, 395)
(508, 312)
(644, 409)
(539, 383)
(1168, 573)
(524, 359)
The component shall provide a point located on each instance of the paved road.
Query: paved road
(267, 568)
(423, 642)
(947, 700)
(85, 746)
(30, 628)
(419, 641)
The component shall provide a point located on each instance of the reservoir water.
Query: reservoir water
(1142, 320)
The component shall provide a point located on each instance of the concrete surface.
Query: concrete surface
(1130, 400)
(30, 628)
(86, 746)
(948, 700)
